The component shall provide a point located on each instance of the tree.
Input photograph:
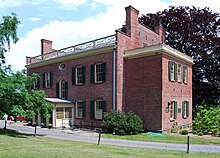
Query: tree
(8, 34)
(195, 32)
(16, 97)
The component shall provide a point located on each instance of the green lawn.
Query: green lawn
(165, 139)
(14, 145)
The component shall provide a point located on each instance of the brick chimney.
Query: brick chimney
(132, 21)
(160, 31)
(46, 46)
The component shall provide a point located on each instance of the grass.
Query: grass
(165, 139)
(15, 145)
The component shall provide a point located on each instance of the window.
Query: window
(36, 83)
(47, 80)
(185, 74)
(62, 89)
(78, 75)
(171, 70)
(97, 108)
(98, 73)
(178, 72)
(68, 113)
(59, 113)
(79, 109)
(173, 110)
(185, 109)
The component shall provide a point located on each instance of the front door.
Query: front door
(64, 116)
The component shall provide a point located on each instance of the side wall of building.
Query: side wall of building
(143, 85)
(175, 91)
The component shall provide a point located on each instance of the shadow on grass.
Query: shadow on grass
(13, 133)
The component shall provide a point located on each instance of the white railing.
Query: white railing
(98, 43)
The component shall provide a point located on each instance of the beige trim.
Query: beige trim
(155, 50)
(71, 56)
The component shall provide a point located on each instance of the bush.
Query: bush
(184, 132)
(121, 124)
(207, 120)
(200, 134)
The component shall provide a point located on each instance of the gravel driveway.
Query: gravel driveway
(92, 137)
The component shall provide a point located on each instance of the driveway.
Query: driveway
(92, 137)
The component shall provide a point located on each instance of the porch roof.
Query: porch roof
(58, 100)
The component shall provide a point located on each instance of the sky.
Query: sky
(71, 22)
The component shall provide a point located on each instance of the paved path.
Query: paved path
(92, 137)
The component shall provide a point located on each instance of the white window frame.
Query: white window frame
(172, 110)
(172, 71)
(98, 73)
(185, 74)
(47, 80)
(79, 112)
(79, 77)
(62, 89)
(98, 109)
(35, 83)
(179, 72)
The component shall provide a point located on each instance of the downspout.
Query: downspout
(114, 75)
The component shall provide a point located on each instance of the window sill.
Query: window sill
(185, 117)
(172, 119)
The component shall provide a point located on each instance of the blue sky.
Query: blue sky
(70, 22)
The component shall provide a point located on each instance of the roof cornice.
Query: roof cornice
(157, 49)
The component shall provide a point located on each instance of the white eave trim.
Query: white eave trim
(157, 49)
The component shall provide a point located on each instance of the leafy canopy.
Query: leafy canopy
(8, 34)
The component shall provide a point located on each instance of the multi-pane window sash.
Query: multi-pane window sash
(185, 109)
(79, 75)
(185, 73)
(79, 109)
(173, 110)
(171, 70)
(98, 109)
(178, 72)
(98, 73)
(47, 80)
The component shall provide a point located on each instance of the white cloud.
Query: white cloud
(68, 33)
(70, 4)
(33, 19)
(16, 3)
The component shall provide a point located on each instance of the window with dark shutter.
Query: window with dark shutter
(83, 75)
(57, 90)
(185, 74)
(175, 110)
(44, 80)
(92, 110)
(92, 75)
(73, 76)
(51, 80)
(84, 109)
(171, 70)
(187, 109)
(66, 90)
(103, 71)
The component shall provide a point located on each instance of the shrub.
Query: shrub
(184, 132)
(207, 120)
(200, 134)
(121, 123)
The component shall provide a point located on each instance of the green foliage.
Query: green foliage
(16, 97)
(184, 132)
(121, 123)
(8, 33)
(207, 120)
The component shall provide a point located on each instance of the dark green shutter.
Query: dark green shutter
(66, 90)
(175, 71)
(73, 76)
(187, 109)
(57, 90)
(92, 73)
(84, 109)
(43, 80)
(175, 110)
(104, 106)
(38, 82)
(103, 71)
(169, 69)
(51, 80)
(92, 110)
(183, 107)
(83, 74)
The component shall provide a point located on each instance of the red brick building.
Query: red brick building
(132, 70)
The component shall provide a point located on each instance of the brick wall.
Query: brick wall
(143, 89)
(88, 91)
(175, 91)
